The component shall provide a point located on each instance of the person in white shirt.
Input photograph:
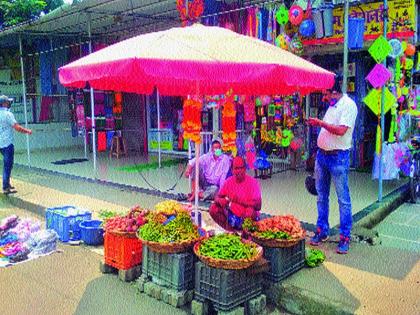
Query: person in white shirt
(333, 162)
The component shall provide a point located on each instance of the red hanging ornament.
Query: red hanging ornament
(192, 120)
(195, 10)
(229, 123)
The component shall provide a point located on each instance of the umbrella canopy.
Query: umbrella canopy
(196, 60)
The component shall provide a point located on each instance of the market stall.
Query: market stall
(196, 61)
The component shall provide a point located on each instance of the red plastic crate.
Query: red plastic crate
(122, 252)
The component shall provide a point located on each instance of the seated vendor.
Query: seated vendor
(214, 167)
(239, 198)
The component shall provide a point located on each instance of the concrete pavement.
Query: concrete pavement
(380, 279)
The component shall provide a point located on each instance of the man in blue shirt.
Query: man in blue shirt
(7, 124)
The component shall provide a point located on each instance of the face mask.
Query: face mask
(218, 152)
(333, 101)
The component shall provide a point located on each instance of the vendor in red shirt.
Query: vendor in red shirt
(239, 198)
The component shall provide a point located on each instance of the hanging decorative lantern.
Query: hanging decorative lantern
(117, 108)
(282, 15)
(307, 28)
(295, 14)
(192, 120)
(229, 123)
(283, 41)
(195, 10)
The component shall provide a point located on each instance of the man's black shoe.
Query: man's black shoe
(9, 191)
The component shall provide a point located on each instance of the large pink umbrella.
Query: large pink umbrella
(204, 59)
(196, 60)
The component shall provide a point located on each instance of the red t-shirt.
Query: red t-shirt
(245, 192)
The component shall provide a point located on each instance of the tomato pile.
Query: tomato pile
(136, 218)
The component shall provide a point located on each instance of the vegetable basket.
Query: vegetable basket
(175, 247)
(229, 264)
(266, 242)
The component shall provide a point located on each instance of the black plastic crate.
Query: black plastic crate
(284, 261)
(225, 289)
(170, 270)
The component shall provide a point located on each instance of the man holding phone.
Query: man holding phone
(333, 162)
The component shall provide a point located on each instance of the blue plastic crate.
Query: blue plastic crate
(175, 271)
(225, 289)
(66, 225)
(91, 232)
(284, 261)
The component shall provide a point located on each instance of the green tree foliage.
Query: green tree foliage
(17, 11)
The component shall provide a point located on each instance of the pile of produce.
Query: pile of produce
(130, 223)
(284, 227)
(169, 207)
(105, 215)
(163, 228)
(314, 257)
(227, 247)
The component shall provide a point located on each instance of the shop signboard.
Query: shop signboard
(401, 21)
(166, 139)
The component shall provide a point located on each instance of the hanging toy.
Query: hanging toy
(410, 50)
(307, 28)
(282, 15)
(283, 41)
(295, 15)
(296, 46)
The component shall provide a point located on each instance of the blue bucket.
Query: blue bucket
(356, 31)
(91, 232)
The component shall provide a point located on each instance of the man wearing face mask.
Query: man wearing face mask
(239, 198)
(214, 167)
(333, 162)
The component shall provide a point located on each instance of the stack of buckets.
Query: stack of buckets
(324, 21)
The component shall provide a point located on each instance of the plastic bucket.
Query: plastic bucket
(92, 232)
(356, 31)
(328, 20)
(319, 23)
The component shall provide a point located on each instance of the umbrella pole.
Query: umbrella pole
(158, 123)
(92, 105)
(197, 176)
(24, 98)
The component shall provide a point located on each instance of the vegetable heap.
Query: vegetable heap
(129, 223)
(314, 257)
(169, 207)
(105, 215)
(169, 229)
(278, 227)
(228, 247)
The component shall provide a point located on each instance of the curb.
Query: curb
(300, 301)
(23, 204)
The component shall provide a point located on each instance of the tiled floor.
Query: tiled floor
(283, 193)
(401, 229)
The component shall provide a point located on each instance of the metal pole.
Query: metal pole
(308, 128)
(158, 122)
(92, 102)
(381, 161)
(197, 176)
(24, 98)
(189, 159)
(346, 47)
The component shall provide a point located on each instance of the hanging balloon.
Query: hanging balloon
(307, 28)
(410, 50)
(295, 14)
(282, 15)
(396, 48)
(283, 41)
(296, 46)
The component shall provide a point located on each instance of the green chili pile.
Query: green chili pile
(227, 246)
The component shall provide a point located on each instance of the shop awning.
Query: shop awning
(196, 60)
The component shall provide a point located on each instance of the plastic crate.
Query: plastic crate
(171, 270)
(91, 232)
(284, 261)
(225, 289)
(66, 225)
(122, 252)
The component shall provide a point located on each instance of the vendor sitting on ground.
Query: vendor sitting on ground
(239, 198)
(214, 167)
